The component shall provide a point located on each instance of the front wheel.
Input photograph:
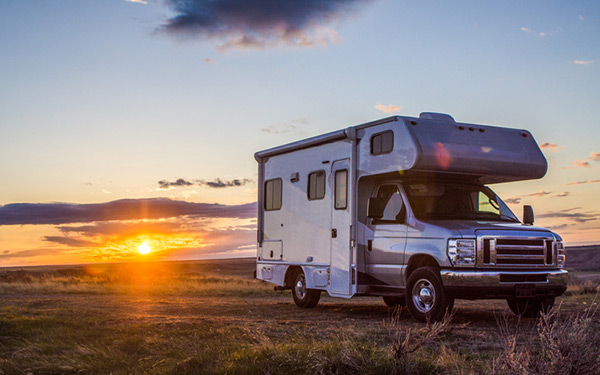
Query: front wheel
(425, 296)
(530, 307)
(303, 296)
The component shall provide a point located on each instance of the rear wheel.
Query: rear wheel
(394, 301)
(303, 296)
(425, 295)
(530, 307)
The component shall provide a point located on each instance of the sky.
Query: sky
(124, 122)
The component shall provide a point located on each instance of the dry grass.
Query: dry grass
(215, 319)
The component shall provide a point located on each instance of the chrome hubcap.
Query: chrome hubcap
(300, 288)
(423, 295)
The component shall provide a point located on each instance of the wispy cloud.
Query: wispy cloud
(583, 182)
(550, 146)
(528, 30)
(538, 194)
(595, 156)
(583, 62)
(137, 1)
(258, 24)
(292, 126)
(390, 108)
(582, 164)
(125, 209)
(513, 200)
(561, 195)
(216, 183)
(580, 217)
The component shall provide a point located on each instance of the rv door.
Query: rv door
(341, 249)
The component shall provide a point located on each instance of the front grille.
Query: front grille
(515, 252)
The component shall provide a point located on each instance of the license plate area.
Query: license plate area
(525, 290)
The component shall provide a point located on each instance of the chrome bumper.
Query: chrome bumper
(492, 279)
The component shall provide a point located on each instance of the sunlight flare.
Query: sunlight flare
(144, 248)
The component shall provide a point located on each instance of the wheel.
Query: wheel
(530, 307)
(425, 295)
(394, 301)
(303, 296)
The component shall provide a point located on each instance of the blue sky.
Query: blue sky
(100, 100)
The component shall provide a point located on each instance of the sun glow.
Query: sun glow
(144, 248)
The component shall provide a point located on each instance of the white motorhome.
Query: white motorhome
(399, 208)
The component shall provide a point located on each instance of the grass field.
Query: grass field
(211, 317)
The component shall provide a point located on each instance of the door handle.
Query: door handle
(334, 233)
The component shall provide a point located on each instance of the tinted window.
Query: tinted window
(382, 143)
(394, 211)
(273, 194)
(316, 185)
(341, 189)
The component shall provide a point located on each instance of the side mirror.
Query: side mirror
(375, 208)
(528, 215)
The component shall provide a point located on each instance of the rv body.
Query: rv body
(399, 208)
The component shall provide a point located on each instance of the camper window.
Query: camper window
(382, 143)
(273, 194)
(316, 185)
(341, 189)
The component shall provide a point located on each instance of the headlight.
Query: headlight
(462, 252)
(561, 256)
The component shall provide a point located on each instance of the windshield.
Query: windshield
(446, 201)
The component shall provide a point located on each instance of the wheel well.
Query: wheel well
(418, 261)
(289, 275)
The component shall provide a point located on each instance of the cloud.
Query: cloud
(72, 242)
(216, 183)
(583, 62)
(257, 24)
(164, 184)
(284, 128)
(595, 156)
(550, 146)
(137, 1)
(124, 209)
(538, 194)
(391, 108)
(29, 253)
(208, 60)
(528, 30)
(560, 195)
(580, 17)
(580, 217)
(557, 227)
(513, 200)
(582, 164)
(583, 182)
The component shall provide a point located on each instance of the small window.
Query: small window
(341, 189)
(273, 194)
(382, 143)
(316, 185)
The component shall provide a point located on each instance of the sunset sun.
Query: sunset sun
(144, 248)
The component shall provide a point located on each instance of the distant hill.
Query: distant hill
(583, 258)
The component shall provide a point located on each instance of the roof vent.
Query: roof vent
(436, 116)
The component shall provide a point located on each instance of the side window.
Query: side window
(341, 189)
(395, 210)
(273, 194)
(485, 204)
(382, 143)
(316, 185)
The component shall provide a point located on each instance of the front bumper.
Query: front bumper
(473, 284)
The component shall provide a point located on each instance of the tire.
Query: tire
(303, 296)
(530, 307)
(394, 301)
(425, 296)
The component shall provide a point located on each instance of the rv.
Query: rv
(399, 208)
